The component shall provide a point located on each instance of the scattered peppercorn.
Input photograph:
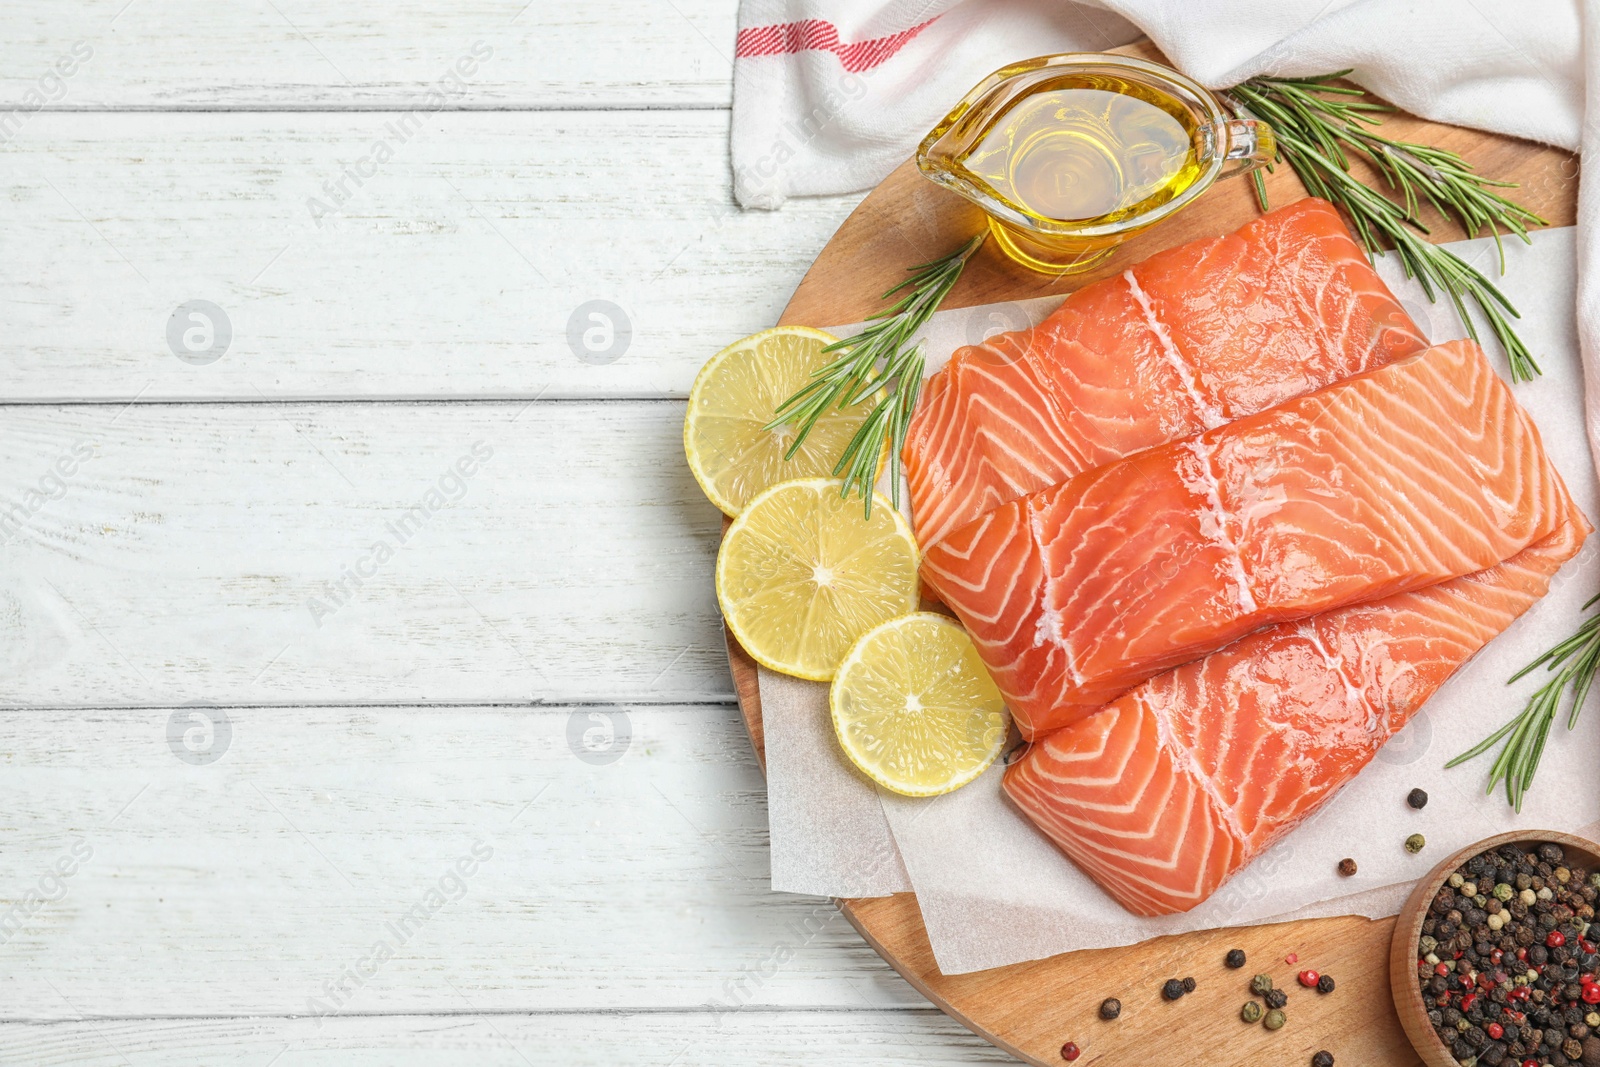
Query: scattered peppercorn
(1325, 984)
(1309, 978)
(1070, 1051)
(1276, 998)
(1234, 958)
(1415, 843)
(1275, 1020)
(1251, 1012)
(1261, 984)
(1347, 867)
(1322, 1059)
(1110, 1008)
(1188, 985)
(1173, 989)
(1417, 798)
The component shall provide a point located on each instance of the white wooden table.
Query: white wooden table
(362, 691)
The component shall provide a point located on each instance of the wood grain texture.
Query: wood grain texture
(457, 268)
(1031, 1009)
(753, 1038)
(201, 552)
(345, 54)
(259, 883)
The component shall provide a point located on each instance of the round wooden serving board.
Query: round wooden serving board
(1030, 1009)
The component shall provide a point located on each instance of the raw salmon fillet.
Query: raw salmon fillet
(1393, 480)
(1171, 789)
(1187, 340)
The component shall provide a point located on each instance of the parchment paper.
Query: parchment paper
(994, 891)
(829, 835)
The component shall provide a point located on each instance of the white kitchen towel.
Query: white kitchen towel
(831, 95)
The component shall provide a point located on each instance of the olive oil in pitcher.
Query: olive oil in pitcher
(1070, 155)
(1088, 153)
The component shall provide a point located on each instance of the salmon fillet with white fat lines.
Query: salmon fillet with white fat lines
(1186, 340)
(1168, 791)
(1396, 479)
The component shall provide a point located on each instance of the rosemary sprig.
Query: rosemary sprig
(881, 357)
(1578, 658)
(1318, 125)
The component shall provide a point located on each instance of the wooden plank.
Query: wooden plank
(746, 1039)
(296, 54)
(469, 264)
(164, 553)
(615, 861)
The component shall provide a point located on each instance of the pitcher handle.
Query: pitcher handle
(1249, 144)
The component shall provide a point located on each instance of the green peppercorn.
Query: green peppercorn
(1415, 843)
(1427, 944)
(1251, 1012)
(1261, 984)
(1110, 1008)
(1503, 892)
(1275, 1019)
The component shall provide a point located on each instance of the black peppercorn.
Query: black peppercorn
(1325, 984)
(1322, 1059)
(1417, 799)
(1235, 958)
(1188, 985)
(1347, 867)
(1275, 998)
(1110, 1008)
(1173, 989)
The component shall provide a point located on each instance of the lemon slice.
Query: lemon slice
(732, 455)
(915, 708)
(802, 574)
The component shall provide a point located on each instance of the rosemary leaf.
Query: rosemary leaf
(1575, 661)
(1318, 126)
(883, 361)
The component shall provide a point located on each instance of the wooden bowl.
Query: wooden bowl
(1408, 929)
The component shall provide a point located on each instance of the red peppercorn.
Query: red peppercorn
(1496, 1031)
(1530, 1063)
(1556, 939)
(1309, 979)
(1586, 945)
(1441, 970)
(1591, 994)
(1293, 957)
(1071, 1051)
(1522, 953)
(1468, 1001)
(1496, 956)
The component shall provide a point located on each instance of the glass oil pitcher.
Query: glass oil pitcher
(1070, 155)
